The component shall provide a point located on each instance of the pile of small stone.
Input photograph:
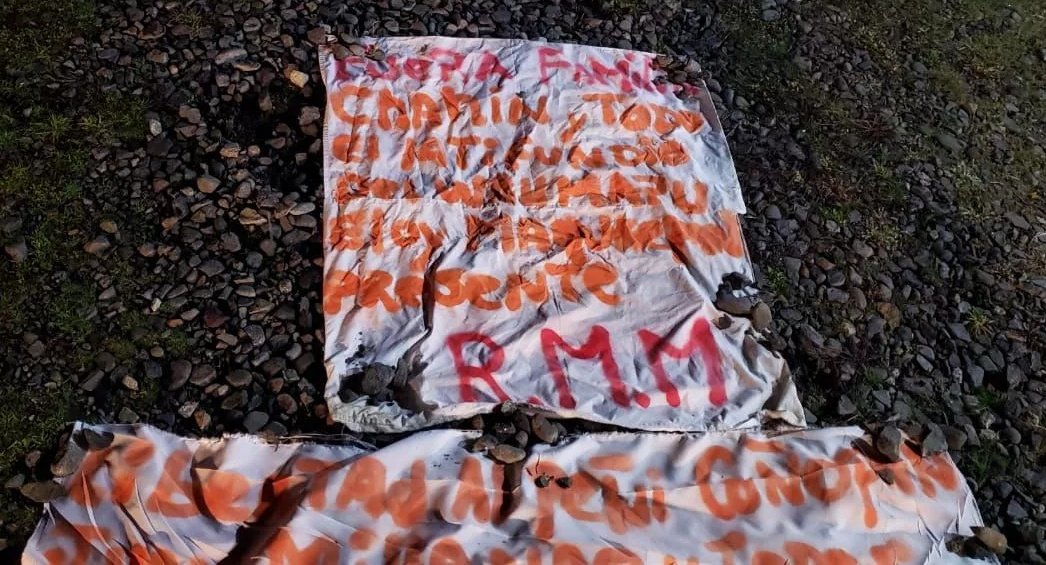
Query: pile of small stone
(735, 296)
(510, 430)
(380, 384)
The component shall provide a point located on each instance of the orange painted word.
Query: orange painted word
(455, 287)
(598, 189)
(361, 228)
(812, 479)
(420, 111)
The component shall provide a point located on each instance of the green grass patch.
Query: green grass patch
(837, 214)
(979, 320)
(990, 399)
(35, 30)
(776, 280)
(28, 420)
(982, 462)
(115, 117)
(70, 310)
(761, 62)
(175, 342)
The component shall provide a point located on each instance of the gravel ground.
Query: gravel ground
(160, 203)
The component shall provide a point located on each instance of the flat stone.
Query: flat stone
(207, 184)
(92, 381)
(203, 375)
(255, 421)
(845, 406)
(949, 141)
(761, 317)
(128, 416)
(731, 304)
(317, 35)
(235, 400)
(239, 378)
(159, 146)
(37, 349)
(98, 245)
(507, 454)
(230, 55)
(17, 250)
(484, 443)
(296, 77)
(42, 491)
(544, 430)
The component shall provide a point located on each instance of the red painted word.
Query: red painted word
(479, 65)
(596, 347)
(628, 73)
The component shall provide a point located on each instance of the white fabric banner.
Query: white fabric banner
(719, 498)
(547, 224)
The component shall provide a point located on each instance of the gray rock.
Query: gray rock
(211, 267)
(255, 421)
(955, 437)
(376, 378)
(37, 349)
(128, 416)
(845, 406)
(68, 459)
(93, 380)
(958, 330)
(1015, 510)
(230, 55)
(180, 371)
(239, 378)
(949, 141)
(863, 249)
(203, 375)
(975, 376)
(10, 224)
(237, 399)
(317, 35)
(934, 442)
(17, 250)
(159, 146)
(1014, 376)
(888, 443)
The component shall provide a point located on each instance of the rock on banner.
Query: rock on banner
(518, 221)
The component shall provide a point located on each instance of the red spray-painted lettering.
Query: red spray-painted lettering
(597, 346)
